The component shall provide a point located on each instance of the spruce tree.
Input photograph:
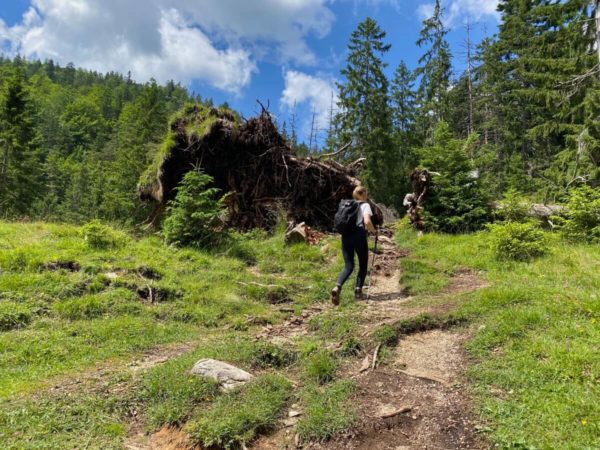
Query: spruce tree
(541, 65)
(364, 119)
(403, 99)
(403, 105)
(20, 176)
(457, 202)
(434, 69)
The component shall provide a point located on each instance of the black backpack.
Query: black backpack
(346, 216)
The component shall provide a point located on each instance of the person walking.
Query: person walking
(355, 241)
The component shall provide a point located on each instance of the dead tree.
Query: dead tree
(420, 180)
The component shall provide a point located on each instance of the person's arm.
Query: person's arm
(369, 223)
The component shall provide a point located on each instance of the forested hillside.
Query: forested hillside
(522, 115)
(73, 143)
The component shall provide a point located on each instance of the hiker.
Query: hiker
(354, 240)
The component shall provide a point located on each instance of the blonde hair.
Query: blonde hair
(360, 193)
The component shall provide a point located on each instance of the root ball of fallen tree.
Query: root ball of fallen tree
(252, 163)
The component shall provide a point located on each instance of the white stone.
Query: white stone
(228, 376)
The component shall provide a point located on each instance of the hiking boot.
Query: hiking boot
(358, 294)
(335, 295)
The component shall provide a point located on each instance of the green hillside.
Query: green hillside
(82, 307)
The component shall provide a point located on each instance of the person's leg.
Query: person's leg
(362, 251)
(348, 254)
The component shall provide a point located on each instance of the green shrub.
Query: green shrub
(237, 417)
(193, 215)
(512, 208)
(171, 392)
(320, 367)
(518, 241)
(13, 315)
(456, 202)
(581, 219)
(327, 411)
(99, 236)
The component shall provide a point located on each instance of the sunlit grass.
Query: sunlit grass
(536, 349)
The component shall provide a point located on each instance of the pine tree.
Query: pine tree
(434, 69)
(403, 105)
(403, 99)
(20, 177)
(542, 85)
(364, 119)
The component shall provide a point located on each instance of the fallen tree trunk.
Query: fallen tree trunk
(251, 163)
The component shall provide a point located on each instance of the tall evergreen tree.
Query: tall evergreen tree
(434, 69)
(19, 146)
(364, 119)
(542, 62)
(403, 103)
(403, 99)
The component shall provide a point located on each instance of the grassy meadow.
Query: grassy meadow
(75, 312)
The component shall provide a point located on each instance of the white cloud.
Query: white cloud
(316, 91)
(216, 41)
(457, 11)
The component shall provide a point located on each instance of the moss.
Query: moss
(198, 120)
(149, 176)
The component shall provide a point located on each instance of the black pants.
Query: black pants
(355, 243)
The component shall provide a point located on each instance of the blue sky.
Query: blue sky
(283, 52)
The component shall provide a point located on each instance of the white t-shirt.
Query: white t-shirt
(365, 208)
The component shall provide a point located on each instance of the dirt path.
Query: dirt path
(415, 399)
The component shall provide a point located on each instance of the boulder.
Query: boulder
(228, 376)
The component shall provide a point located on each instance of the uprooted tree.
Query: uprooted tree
(251, 162)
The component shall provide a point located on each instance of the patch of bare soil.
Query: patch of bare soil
(294, 327)
(465, 280)
(415, 401)
(433, 355)
(167, 438)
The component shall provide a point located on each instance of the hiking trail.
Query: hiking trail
(415, 399)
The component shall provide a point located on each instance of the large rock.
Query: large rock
(228, 376)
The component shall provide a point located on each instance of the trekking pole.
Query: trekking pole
(372, 263)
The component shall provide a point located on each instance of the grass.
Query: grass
(91, 421)
(171, 393)
(73, 298)
(536, 367)
(68, 305)
(237, 417)
(335, 324)
(320, 367)
(327, 410)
